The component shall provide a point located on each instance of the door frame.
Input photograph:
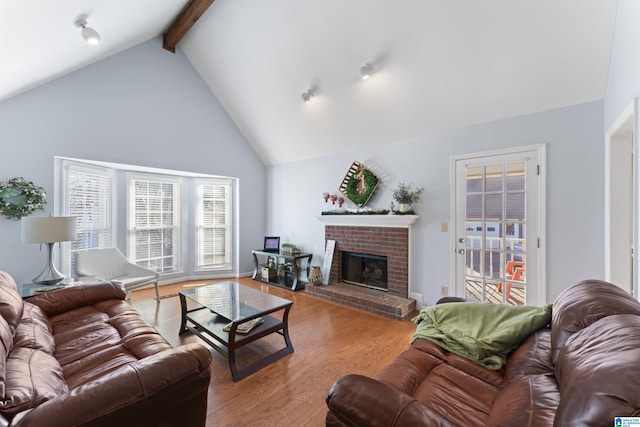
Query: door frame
(629, 116)
(541, 150)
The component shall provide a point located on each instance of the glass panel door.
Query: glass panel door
(496, 260)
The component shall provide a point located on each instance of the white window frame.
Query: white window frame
(106, 222)
(177, 226)
(200, 227)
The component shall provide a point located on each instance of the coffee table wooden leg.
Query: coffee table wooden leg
(285, 329)
(239, 374)
(236, 373)
(231, 354)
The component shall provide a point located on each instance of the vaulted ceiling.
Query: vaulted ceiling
(438, 64)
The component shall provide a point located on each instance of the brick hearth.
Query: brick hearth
(392, 242)
(370, 300)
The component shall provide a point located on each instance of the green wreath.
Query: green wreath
(20, 198)
(361, 198)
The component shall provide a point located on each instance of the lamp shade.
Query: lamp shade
(49, 229)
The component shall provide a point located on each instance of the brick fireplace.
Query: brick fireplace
(381, 235)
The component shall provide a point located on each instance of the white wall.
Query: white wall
(624, 70)
(144, 106)
(623, 86)
(574, 137)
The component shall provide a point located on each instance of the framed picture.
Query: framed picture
(272, 244)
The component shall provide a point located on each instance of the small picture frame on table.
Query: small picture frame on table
(272, 244)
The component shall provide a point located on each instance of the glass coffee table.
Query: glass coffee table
(231, 304)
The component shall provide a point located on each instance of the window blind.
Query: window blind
(213, 221)
(87, 196)
(154, 230)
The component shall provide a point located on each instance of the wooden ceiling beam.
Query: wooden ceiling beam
(191, 12)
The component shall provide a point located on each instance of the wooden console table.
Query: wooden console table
(296, 283)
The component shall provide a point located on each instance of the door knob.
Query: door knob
(461, 240)
(461, 251)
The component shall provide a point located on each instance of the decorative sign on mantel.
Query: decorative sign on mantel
(328, 260)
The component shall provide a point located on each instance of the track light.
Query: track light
(89, 35)
(366, 71)
(306, 95)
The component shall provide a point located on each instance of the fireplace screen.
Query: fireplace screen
(364, 270)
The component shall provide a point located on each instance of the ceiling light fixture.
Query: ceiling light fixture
(366, 71)
(306, 95)
(89, 35)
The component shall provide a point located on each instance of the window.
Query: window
(213, 222)
(176, 223)
(87, 196)
(154, 226)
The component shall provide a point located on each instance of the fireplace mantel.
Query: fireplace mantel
(395, 221)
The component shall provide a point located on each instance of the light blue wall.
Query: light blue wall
(147, 107)
(574, 192)
(144, 106)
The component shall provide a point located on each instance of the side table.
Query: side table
(296, 283)
(27, 290)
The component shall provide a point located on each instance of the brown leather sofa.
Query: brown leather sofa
(582, 371)
(82, 356)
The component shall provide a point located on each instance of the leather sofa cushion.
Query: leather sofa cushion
(378, 405)
(528, 401)
(599, 373)
(96, 340)
(33, 377)
(432, 376)
(583, 304)
(77, 296)
(11, 304)
(411, 367)
(11, 308)
(532, 357)
(34, 330)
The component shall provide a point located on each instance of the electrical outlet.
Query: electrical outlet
(444, 227)
(444, 291)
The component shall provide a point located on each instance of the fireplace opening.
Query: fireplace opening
(365, 270)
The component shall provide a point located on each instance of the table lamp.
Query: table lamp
(49, 230)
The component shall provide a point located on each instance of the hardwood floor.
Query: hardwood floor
(330, 340)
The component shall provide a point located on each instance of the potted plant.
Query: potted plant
(406, 195)
(287, 248)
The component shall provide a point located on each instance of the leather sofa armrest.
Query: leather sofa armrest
(148, 392)
(356, 400)
(65, 299)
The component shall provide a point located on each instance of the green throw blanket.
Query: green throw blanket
(484, 333)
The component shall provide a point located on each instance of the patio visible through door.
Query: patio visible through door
(498, 227)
